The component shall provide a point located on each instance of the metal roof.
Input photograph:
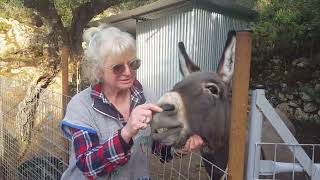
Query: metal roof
(127, 20)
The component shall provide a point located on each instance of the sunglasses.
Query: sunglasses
(120, 68)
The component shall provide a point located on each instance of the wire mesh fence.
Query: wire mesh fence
(183, 167)
(45, 154)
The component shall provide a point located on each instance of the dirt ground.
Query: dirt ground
(309, 133)
(187, 167)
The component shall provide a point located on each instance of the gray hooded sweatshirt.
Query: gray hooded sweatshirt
(83, 112)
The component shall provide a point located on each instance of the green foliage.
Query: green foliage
(286, 27)
(131, 4)
(310, 91)
(14, 9)
(247, 3)
(65, 8)
(126, 5)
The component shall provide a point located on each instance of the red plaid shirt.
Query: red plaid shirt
(97, 159)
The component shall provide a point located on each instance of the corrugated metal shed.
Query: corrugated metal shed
(128, 20)
(158, 27)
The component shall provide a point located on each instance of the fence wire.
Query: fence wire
(46, 155)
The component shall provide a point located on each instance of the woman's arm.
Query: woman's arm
(95, 159)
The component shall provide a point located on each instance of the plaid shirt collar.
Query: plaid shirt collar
(104, 106)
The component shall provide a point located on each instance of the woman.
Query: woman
(107, 122)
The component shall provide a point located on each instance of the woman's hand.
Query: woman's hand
(193, 143)
(139, 119)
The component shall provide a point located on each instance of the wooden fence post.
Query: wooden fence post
(2, 144)
(65, 53)
(240, 87)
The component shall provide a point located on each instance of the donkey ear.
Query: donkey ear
(226, 63)
(185, 64)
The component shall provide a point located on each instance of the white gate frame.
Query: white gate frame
(260, 107)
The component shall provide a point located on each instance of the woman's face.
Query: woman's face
(115, 79)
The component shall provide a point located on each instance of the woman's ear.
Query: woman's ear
(100, 75)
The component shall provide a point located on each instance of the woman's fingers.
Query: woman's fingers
(142, 115)
(143, 125)
(146, 113)
(148, 119)
(152, 107)
(195, 142)
(187, 145)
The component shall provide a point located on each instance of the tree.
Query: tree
(287, 28)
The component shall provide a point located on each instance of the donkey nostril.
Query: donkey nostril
(167, 107)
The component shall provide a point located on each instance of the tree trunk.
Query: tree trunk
(25, 118)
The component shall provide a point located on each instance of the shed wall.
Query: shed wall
(204, 34)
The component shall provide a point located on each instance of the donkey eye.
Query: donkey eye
(212, 88)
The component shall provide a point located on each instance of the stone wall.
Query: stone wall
(292, 86)
(17, 36)
(21, 48)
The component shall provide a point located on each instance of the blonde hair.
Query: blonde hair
(103, 41)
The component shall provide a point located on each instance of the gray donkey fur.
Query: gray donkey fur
(200, 104)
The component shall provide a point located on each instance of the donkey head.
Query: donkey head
(199, 104)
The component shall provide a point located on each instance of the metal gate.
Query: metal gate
(301, 163)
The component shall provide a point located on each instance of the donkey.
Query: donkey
(200, 104)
